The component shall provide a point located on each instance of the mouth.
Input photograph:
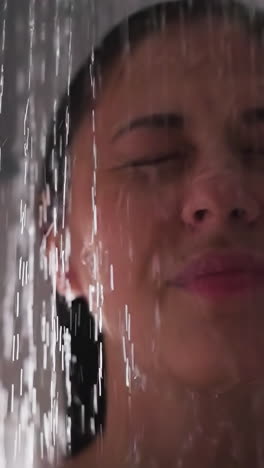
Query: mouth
(218, 275)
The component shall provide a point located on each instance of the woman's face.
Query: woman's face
(204, 84)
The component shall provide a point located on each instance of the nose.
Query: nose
(217, 198)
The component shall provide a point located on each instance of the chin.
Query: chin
(216, 367)
(210, 345)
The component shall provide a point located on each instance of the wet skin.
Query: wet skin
(179, 128)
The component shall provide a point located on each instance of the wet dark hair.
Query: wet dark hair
(80, 100)
(91, 78)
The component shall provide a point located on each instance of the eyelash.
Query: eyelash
(165, 158)
(158, 160)
(256, 151)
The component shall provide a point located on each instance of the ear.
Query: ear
(56, 248)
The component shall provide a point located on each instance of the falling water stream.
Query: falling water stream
(42, 45)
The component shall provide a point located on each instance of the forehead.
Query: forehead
(190, 51)
(186, 66)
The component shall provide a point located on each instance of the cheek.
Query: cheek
(132, 233)
(125, 231)
(132, 223)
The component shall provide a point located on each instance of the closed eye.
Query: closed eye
(157, 160)
(249, 150)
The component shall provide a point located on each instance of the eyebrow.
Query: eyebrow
(169, 120)
(253, 116)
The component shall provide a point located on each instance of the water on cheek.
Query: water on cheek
(158, 193)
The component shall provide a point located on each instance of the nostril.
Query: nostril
(238, 213)
(199, 215)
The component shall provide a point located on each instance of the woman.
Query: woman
(164, 212)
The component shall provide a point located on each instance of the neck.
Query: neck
(153, 417)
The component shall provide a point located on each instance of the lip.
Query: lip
(220, 274)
